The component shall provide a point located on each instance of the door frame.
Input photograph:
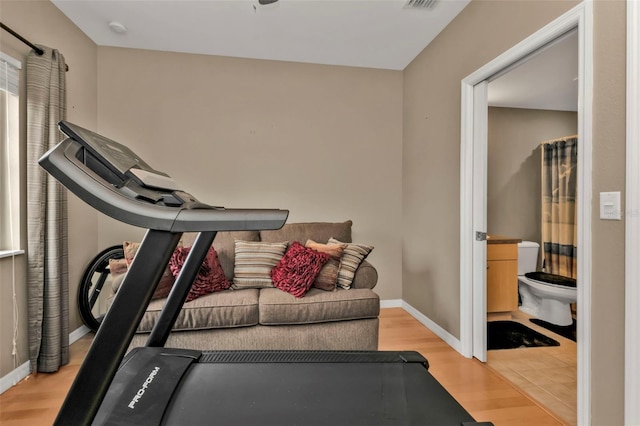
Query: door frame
(479, 246)
(472, 203)
(632, 221)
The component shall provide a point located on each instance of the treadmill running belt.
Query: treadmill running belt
(314, 394)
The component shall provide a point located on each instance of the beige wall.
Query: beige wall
(331, 143)
(42, 23)
(324, 142)
(608, 237)
(431, 158)
(513, 167)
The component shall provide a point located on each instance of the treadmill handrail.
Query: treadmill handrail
(62, 163)
(67, 162)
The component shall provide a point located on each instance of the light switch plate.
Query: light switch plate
(610, 205)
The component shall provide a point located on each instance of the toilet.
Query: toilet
(548, 302)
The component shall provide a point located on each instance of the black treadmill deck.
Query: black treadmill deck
(182, 387)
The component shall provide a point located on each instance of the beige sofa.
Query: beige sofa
(269, 318)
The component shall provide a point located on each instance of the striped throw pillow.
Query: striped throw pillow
(254, 261)
(352, 257)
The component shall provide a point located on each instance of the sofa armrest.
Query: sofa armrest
(366, 276)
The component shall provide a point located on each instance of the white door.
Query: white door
(480, 131)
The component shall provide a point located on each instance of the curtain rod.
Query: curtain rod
(22, 39)
(39, 51)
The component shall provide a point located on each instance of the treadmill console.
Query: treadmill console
(120, 166)
(110, 177)
(112, 154)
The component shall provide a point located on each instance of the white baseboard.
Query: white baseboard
(13, 377)
(424, 320)
(78, 333)
(435, 328)
(391, 303)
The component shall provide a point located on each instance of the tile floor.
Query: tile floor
(547, 374)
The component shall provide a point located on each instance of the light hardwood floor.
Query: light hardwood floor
(482, 391)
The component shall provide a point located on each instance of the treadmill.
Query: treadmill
(154, 385)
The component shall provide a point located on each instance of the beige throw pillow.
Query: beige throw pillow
(328, 276)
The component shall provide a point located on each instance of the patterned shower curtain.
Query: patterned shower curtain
(47, 276)
(559, 214)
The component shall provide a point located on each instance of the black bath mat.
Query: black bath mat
(511, 335)
(568, 331)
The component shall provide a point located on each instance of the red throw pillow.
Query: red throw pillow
(298, 269)
(210, 278)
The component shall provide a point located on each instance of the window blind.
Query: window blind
(9, 157)
(9, 73)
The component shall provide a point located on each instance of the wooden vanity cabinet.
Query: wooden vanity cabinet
(502, 276)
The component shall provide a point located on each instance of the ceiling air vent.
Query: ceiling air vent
(421, 4)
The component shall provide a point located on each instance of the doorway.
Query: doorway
(535, 102)
(474, 183)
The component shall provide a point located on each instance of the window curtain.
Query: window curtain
(47, 275)
(559, 224)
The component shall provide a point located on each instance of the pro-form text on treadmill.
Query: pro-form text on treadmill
(144, 387)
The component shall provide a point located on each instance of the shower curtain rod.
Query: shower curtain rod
(559, 139)
(39, 51)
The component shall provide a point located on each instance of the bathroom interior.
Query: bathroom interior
(522, 129)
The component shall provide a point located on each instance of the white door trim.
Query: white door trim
(581, 17)
(632, 221)
(466, 218)
(480, 149)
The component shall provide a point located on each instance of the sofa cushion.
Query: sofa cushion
(298, 269)
(254, 261)
(317, 231)
(216, 310)
(278, 307)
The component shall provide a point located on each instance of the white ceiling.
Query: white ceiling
(361, 33)
(547, 80)
(383, 34)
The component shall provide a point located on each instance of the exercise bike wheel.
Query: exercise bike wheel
(92, 304)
